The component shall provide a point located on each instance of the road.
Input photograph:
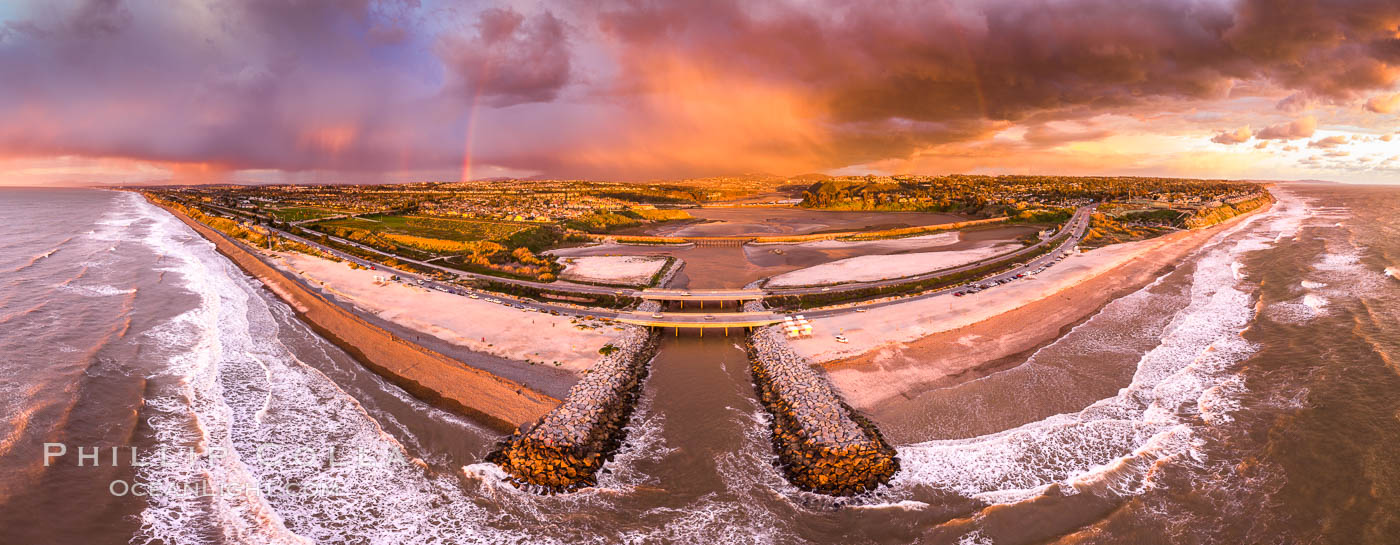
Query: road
(1077, 225)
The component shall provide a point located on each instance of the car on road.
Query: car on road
(709, 316)
(959, 294)
(862, 309)
(842, 339)
(656, 315)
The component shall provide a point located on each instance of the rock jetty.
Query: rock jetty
(564, 450)
(823, 445)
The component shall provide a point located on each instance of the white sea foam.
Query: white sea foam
(1237, 269)
(1113, 443)
(1314, 301)
(242, 388)
(95, 290)
(1309, 284)
(1393, 272)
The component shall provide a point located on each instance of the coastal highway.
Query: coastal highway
(1077, 226)
(562, 286)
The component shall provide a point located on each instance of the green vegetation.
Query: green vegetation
(1206, 217)
(1040, 215)
(601, 221)
(479, 246)
(1105, 230)
(254, 235)
(662, 214)
(1011, 195)
(1161, 217)
(432, 228)
(303, 213)
(553, 296)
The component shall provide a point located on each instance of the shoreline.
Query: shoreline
(957, 347)
(496, 402)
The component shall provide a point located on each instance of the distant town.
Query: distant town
(502, 228)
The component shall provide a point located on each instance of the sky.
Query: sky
(362, 91)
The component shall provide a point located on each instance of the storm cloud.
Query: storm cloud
(640, 89)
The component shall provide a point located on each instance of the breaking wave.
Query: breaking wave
(1187, 381)
(39, 257)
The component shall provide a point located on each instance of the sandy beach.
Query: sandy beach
(907, 347)
(474, 324)
(882, 267)
(629, 270)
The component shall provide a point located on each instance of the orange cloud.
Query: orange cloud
(1240, 135)
(1383, 104)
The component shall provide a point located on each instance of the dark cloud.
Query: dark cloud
(512, 59)
(395, 85)
(1008, 59)
(1295, 103)
(101, 17)
(1301, 128)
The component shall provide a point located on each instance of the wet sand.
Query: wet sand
(963, 346)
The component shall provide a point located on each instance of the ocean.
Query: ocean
(151, 392)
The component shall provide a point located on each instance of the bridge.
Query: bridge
(655, 294)
(733, 242)
(721, 296)
(694, 320)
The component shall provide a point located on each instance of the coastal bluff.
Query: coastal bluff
(499, 403)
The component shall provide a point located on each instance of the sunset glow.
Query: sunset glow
(406, 90)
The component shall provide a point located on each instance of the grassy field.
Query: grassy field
(483, 246)
(303, 213)
(432, 228)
